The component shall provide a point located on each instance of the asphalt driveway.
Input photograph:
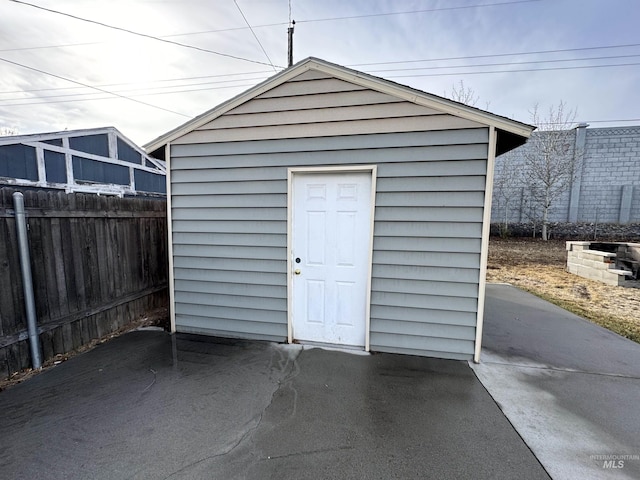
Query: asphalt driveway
(152, 405)
(569, 387)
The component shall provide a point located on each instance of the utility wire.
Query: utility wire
(149, 87)
(144, 35)
(505, 63)
(515, 71)
(255, 36)
(428, 10)
(470, 57)
(137, 95)
(613, 121)
(145, 89)
(249, 85)
(179, 79)
(311, 20)
(89, 86)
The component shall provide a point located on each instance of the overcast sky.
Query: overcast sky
(513, 54)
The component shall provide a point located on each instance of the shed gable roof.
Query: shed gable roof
(514, 132)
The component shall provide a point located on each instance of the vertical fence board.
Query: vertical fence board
(8, 311)
(76, 335)
(59, 267)
(97, 264)
(67, 259)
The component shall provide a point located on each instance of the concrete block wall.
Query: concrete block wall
(611, 162)
(607, 189)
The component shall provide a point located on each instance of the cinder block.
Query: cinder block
(577, 246)
(589, 273)
(612, 282)
(598, 256)
(620, 273)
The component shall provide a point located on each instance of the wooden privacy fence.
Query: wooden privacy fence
(97, 263)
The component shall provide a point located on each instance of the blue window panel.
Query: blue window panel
(54, 141)
(18, 161)
(55, 166)
(95, 144)
(150, 182)
(99, 172)
(149, 164)
(127, 153)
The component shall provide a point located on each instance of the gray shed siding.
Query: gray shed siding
(229, 213)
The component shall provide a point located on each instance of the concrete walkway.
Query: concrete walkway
(570, 388)
(149, 405)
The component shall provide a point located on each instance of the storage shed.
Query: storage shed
(328, 206)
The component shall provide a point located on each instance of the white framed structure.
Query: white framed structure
(231, 176)
(97, 160)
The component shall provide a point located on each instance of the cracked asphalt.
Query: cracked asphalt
(149, 405)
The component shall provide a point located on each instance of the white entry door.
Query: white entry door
(330, 257)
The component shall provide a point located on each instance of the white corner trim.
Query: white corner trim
(172, 293)
(484, 249)
(374, 178)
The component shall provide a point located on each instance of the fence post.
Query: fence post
(578, 152)
(625, 204)
(27, 281)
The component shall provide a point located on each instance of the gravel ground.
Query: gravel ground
(539, 267)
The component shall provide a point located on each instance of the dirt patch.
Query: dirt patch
(156, 318)
(539, 268)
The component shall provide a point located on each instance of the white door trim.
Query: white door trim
(341, 169)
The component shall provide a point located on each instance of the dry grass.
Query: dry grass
(539, 267)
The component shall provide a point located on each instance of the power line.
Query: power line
(507, 63)
(613, 121)
(469, 57)
(515, 71)
(428, 10)
(89, 86)
(143, 89)
(148, 87)
(221, 30)
(143, 82)
(138, 95)
(62, 45)
(144, 35)
(249, 85)
(255, 36)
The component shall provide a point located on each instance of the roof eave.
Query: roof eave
(359, 78)
(224, 107)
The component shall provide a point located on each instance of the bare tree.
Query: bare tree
(7, 131)
(462, 94)
(550, 159)
(506, 186)
(465, 95)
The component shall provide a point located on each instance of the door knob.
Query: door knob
(297, 271)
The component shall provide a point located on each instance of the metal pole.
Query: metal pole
(27, 281)
(290, 44)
